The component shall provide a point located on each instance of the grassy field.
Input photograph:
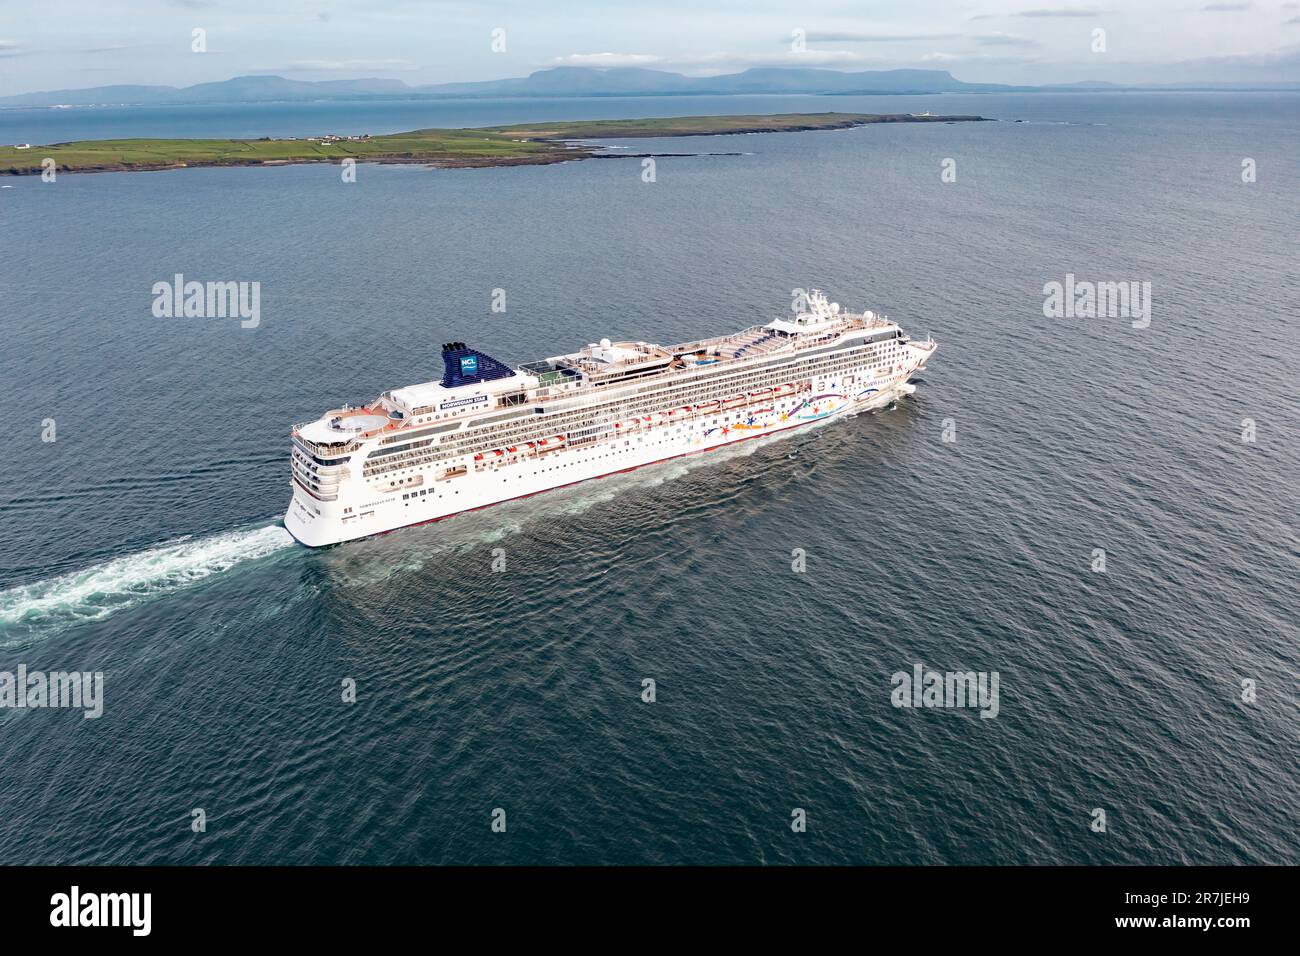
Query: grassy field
(491, 146)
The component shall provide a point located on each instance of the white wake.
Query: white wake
(98, 591)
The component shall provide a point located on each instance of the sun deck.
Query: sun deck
(603, 364)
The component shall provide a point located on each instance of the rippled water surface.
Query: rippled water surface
(144, 542)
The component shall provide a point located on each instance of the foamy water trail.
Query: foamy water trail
(100, 590)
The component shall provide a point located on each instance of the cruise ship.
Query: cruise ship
(487, 432)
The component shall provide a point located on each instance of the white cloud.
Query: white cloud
(854, 37)
(607, 60)
(1066, 12)
(343, 66)
(1004, 39)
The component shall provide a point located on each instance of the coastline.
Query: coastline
(473, 148)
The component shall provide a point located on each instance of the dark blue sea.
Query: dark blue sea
(143, 541)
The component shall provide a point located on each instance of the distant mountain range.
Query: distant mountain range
(557, 82)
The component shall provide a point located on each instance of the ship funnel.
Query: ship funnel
(462, 365)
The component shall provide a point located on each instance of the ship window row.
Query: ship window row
(308, 478)
(579, 422)
(419, 434)
(662, 396)
(592, 434)
(584, 433)
(320, 461)
(658, 388)
(791, 363)
(799, 364)
(684, 393)
(385, 452)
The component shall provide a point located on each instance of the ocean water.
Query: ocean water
(144, 541)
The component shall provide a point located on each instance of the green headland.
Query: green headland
(526, 144)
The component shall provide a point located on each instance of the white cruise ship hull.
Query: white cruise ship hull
(317, 523)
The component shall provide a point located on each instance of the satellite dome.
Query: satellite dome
(870, 314)
(604, 343)
(835, 308)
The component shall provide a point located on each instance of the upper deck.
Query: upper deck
(475, 385)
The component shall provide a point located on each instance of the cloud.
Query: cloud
(1003, 39)
(10, 48)
(607, 60)
(977, 59)
(1078, 12)
(710, 63)
(1225, 7)
(851, 37)
(119, 48)
(333, 66)
(808, 58)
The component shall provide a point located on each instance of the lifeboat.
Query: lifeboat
(783, 389)
(713, 404)
(761, 393)
(734, 401)
(512, 449)
(531, 445)
(498, 452)
(478, 457)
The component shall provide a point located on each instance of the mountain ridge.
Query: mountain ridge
(565, 81)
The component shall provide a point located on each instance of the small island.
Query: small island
(521, 145)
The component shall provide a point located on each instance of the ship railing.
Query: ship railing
(316, 448)
(698, 344)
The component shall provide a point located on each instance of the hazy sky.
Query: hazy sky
(76, 43)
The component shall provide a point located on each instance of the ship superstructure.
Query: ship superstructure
(487, 432)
